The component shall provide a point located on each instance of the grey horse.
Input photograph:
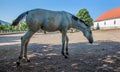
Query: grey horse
(50, 21)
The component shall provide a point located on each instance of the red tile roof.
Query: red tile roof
(114, 13)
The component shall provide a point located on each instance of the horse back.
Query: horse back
(47, 20)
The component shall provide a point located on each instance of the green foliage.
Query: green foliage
(85, 16)
(22, 26)
(5, 27)
(2, 27)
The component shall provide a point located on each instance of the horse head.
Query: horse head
(88, 35)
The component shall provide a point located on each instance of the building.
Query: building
(108, 20)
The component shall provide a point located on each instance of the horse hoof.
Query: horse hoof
(67, 53)
(66, 57)
(28, 60)
(18, 64)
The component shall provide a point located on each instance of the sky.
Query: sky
(10, 9)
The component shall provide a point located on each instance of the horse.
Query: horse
(50, 21)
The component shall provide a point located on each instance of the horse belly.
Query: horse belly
(52, 24)
(51, 27)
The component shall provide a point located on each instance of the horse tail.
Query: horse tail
(19, 18)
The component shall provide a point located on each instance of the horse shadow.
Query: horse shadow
(83, 57)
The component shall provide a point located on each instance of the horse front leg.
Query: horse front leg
(63, 44)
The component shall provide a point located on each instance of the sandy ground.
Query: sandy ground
(44, 51)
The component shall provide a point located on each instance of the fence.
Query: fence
(19, 31)
(11, 31)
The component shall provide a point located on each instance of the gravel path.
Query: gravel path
(45, 53)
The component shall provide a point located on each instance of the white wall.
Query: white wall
(107, 24)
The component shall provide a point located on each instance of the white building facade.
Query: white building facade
(107, 24)
(108, 20)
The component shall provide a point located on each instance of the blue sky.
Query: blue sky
(10, 9)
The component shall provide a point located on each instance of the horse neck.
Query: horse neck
(80, 27)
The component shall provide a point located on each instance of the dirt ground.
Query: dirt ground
(44, 51)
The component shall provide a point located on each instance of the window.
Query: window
(104, 23)
(114, 21)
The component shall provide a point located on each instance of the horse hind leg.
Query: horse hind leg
(21, 53)
(24, 42)
(67, 39)
(25, 51)
(27, 38)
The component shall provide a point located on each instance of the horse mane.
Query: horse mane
(76, 18)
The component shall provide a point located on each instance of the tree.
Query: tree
(23, 26)
(85, 16)
(7, 27)
(2, 27)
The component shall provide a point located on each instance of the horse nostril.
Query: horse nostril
(91, 42)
